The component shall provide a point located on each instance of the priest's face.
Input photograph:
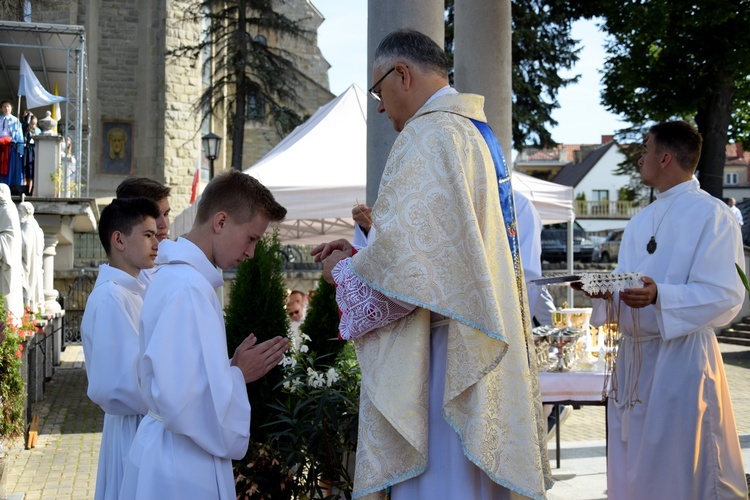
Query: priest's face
(236, 242)
(391, 98)
(162, 223)
(140, 246)
(649, 162)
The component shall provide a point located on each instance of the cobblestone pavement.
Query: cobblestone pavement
(63, 463)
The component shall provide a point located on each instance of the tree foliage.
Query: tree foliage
(242, 65)
(677, 59)
(542, 46)
(256, 305)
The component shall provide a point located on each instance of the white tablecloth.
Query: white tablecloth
(571, 386)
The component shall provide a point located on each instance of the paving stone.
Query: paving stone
(63, 464)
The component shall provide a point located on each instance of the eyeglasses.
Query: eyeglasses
(376, 94)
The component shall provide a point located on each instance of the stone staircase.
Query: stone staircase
(738, 333)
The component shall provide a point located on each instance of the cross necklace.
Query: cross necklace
(651, 245)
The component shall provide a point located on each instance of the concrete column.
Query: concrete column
(47, 166)
(51, 306)
(383, 17)
(482, 61)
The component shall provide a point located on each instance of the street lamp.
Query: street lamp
(211, 143)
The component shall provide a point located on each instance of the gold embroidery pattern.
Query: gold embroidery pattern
(441, 246)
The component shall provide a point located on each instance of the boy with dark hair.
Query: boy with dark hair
(133, 187)
(198, 411)
(127, 230)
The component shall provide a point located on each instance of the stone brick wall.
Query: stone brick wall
(182, 89)
(313, 90)
(132, 80)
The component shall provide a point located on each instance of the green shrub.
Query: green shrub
(12, 389)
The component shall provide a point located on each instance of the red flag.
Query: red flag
(194, 188)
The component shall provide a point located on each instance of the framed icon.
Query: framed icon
(117, 148)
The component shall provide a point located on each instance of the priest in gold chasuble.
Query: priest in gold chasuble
(436, 305)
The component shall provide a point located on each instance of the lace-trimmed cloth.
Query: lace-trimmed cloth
(363, 309)
(596, 283)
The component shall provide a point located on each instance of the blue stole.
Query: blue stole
(507, 204)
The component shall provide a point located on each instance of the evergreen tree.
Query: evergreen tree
(243, 67)
(677, 59)
(256, 305)
(322, 322)
(542, 46)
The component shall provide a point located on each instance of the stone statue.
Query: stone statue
(32, 257)
(11, 267)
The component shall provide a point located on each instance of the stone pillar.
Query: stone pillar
(383, 17)
(47, 180)
(482, 61)
(51, 306)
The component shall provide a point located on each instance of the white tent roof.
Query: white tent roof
(319, 172)
(554, 202)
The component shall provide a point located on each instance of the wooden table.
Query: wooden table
(571, 388)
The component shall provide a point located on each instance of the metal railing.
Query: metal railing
(607, 209)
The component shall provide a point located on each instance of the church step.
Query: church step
(733, 332)
(733, 340)
(742, 326)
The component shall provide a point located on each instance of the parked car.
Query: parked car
(555, 243)
(609, 249)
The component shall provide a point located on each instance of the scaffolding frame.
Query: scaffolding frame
(56, 54)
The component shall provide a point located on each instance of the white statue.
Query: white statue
(33, 247)
(11, 267)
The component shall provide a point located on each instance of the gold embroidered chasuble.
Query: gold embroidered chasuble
(441, 245)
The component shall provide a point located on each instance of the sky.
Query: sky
(342, 39)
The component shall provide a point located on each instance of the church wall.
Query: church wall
(131, 81)
(312, 92)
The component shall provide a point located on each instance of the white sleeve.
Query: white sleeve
(363, 308)
(110, 339)
(195, 390)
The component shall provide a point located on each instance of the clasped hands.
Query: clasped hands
(255, 360)
(632, 297)
(330, 254)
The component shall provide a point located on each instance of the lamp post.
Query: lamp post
(211, 143)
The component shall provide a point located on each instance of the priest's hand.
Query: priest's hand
(641, 297)
(330, 262)
(322, 251)
(255, 360)
(362, 215)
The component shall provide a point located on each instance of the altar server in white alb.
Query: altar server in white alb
(109, 330)
(450, 404)
(672, 433)
(198, 412)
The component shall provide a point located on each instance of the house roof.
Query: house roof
(736, 156)
(572, 173)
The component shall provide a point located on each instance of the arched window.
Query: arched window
(260, 39)
(256, 106)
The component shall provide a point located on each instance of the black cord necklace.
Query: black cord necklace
(651, 245)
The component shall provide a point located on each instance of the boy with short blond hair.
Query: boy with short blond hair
(198, 410)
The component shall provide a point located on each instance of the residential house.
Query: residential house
(590, 170)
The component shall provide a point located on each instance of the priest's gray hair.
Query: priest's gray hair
(412, 47)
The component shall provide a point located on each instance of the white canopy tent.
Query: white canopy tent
(319, 171)
(554, 202)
